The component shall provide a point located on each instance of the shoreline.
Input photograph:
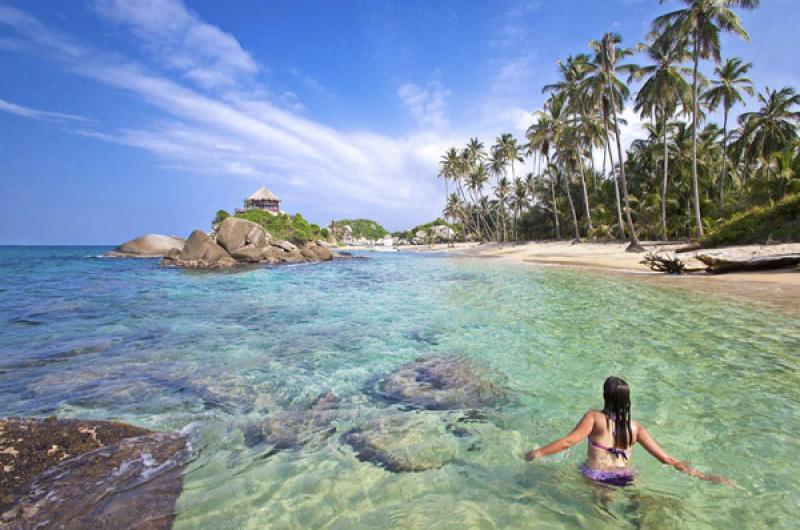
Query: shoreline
(779, 289)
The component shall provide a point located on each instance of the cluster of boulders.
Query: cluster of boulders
(436, 234)
(235, 242)
(78, 474)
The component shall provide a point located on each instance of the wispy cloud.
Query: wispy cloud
(180, 40)
(426, 104)
(36, 114)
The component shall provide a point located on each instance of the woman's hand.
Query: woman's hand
(532, 455)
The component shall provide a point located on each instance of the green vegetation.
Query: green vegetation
(779, 222)
(686, 175)
(363, 228)
(408, 234)
(283, 226)
(221, 216)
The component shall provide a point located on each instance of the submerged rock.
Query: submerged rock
(148, 246)
(404, 443)
(77, 474)
(293, 429)
(439, 383)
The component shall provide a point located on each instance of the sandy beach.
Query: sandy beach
(779, 288)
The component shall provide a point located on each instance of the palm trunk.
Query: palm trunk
(695, 185)
(572, 207)
(724, 173)
(555, 204)
(635, 246)
(664, 184)
(585, 197)
(607, 148)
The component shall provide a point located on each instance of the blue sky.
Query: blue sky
(119, 118)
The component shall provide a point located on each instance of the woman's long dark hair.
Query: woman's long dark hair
(617, 408)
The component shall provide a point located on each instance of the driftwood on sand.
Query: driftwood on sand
(666, 263)
(723, 264)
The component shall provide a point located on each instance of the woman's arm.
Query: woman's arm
(581, 431)
(647, 441)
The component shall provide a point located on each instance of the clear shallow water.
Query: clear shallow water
(715, 382)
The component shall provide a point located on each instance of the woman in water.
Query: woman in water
(611, 435)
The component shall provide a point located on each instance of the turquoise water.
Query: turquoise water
(717, 383)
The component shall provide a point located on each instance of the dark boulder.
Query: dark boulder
(77, 474)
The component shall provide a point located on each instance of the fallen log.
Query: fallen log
(724, 264)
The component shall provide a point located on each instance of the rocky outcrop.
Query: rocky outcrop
(77, 474)
(234, 234)
(442, 233)
(315, 252)
(200, 252)
(438, 383)
(238, 242)
(148, 246)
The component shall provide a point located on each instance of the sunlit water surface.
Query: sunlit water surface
(716, 382)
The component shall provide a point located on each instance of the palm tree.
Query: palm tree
(542, 136)
(771, 128)
(663, 89)
(608, 55)
(519, 200)
(699, 25)
(558, 123)
(572, 72)
(501, 190)
(730, 79)
(597, 83)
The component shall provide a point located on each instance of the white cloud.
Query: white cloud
(182, 41)
(36, 114)
(426, 104)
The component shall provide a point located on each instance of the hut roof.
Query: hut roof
(263, 194)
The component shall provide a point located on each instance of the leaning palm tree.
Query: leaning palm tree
(663, 90)
(773, 127)
(727, 90)
(699, 25)
(607, 49)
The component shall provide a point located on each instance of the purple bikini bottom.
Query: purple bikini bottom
(619, 477)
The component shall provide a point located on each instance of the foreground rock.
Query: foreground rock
(410, 442)
(78, 474)
(148, 246)
(439, 383)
